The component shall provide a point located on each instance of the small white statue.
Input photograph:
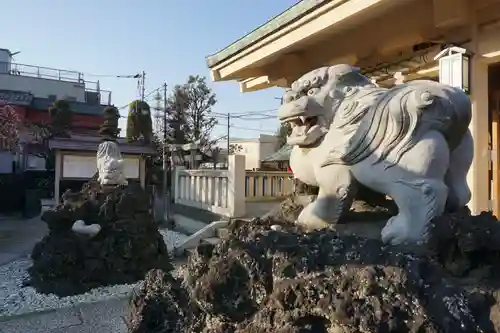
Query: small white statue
(80, 227)
(410, 142)
(110, 164)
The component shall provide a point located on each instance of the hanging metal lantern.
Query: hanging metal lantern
(454, 67)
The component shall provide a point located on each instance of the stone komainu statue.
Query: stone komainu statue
(110, 164)
(410, 142)
(139, 122)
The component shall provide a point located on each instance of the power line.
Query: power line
(131, 76)
(222, 137)
(239, 114)
(246, 128)
(252, 129)
(258, 118)
(247, 119)
(148, 95)
(244, 116)
(152, 92)
(254, 112)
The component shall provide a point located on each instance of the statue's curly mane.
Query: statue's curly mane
(387, 123)
(108, 150)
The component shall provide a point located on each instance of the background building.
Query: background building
(31, 90)
(254, 149)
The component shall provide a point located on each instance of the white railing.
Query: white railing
(104, 95)
(268, 185)
(55, 74)
(41, 72)
(218, 191)
(227, 192)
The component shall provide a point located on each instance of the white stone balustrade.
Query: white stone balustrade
(219, 191)
(226, 192)
(268, 185)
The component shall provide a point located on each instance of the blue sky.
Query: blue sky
(167, 39)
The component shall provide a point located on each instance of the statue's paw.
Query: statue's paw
(80, 227)
(396, 231)
(311, 221)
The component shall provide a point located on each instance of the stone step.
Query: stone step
(47, 204)
(212, 240)
(207, 233)
(187, 225)
(222, 233)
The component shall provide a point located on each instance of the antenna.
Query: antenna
(12, 54)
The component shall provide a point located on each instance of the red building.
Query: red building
(31, 90)
(86, 118)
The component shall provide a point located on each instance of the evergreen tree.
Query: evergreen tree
(60, 118)
(109, 128)
(283, 132)
(139, 122)
(190, 110)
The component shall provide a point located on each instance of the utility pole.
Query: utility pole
(158, 113)
(143, 85)
(228, 129)
(166, 191)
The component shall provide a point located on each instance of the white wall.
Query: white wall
(267, 149)
(251, 151)
(78, 166)
(41, 87)
(256, 149)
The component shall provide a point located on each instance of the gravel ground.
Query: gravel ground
(18, 299)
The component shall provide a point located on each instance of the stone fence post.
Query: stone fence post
(236, 186)
(174, 185)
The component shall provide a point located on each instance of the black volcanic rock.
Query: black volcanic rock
(163, 305)
(126, 248)
(265, 279)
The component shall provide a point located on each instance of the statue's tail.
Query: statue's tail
(397, 120)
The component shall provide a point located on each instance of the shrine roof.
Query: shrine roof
(283, 154)
(276, 23)
(90, 144)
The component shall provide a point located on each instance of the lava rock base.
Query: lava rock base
(265, 279)
(126, 248)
